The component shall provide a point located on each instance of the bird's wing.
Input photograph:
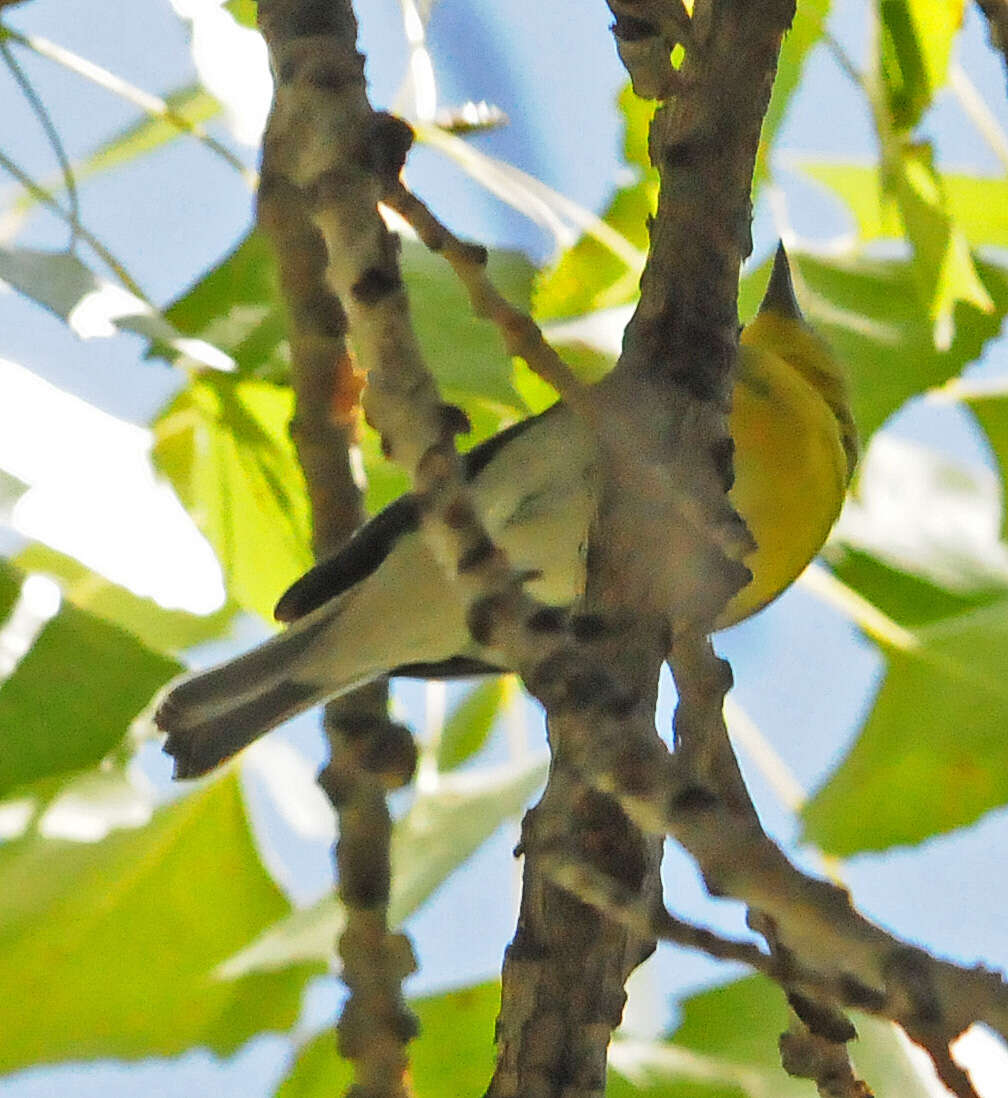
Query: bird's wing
(369, 547)
(361, 556)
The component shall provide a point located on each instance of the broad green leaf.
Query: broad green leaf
(991, 411)
(806, 30)
(465, 354)
(224, 444)
(193, 105)
(976, 204)
(468, 728)
(444, 828)
(244, 12)
(10, 588)
(111, 945)
(461, 1021)
(944, 269)
(907, 599)
(920, 540)
(726, 1047)
(637, 114)
(929, 518)
(92, 306)
(160, 629)
(439, 832)
(236, 306)
(932, 755)
(589, 275)
(71, 698)
(867, 310)
(916, 43)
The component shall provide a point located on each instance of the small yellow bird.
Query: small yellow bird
(796, 445)
(383, 606)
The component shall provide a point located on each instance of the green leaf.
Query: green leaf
(916, 43)
(975, 204)
(909, 600)
(944, 269)
(589, 275)
(244, 11)
(461, 1021)
(806, 30)
(93, 306)
(111, 944)
(160, 629)
(10, 588)
(867, 310)
(469, 726)
(932, 755)
(465, 353)
(930, 519)
(438, 833)
(991, 411)
(925, 536)
(236, 306)
(71, 698)
(225, 446)
(726, 1047)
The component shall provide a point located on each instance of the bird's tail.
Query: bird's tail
(211, 715)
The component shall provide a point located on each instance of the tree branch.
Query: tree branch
(368, 754)
(996, 12)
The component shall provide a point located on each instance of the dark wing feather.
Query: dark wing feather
(373, 542)
(361, 555)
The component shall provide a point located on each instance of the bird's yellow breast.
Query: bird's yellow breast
(794, 452)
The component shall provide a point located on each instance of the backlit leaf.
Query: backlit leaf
(70, 700)
(111, 945)
(225, 445)
(975, 203)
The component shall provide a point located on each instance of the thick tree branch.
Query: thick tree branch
(368, 753)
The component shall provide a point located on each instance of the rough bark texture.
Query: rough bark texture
(368, 754)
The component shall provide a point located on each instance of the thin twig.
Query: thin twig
(843, 58)
(523, 338)
(41, 195)
(978, 112)
(55, 141)
(152, 105)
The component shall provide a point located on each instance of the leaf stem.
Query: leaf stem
(151, 104)
(977, 111)
(46, 198)
(55, 141)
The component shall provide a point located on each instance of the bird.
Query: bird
(382, 605)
